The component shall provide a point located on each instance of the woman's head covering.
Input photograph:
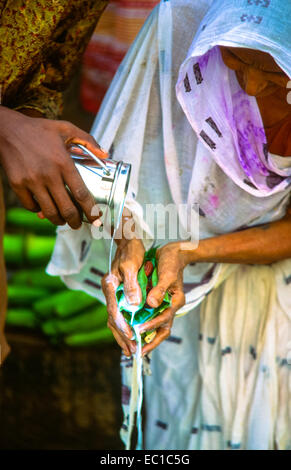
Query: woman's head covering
(264, 25)
(225, 118)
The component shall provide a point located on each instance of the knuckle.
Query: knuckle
(60, 161)
(131, 291)
(104, 284)
(17, 184)
(52, 214)
(105, 281)
(22, 181)
(81, 194)
(39, 177)
(69, 213)
(168, 316)
(167, 334)
(66, 125)
(160, 290)
(125, 266)
(49, 178)
(171, 278)
(182, 299)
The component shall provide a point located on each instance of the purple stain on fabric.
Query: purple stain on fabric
(214, 201)
(203, 60)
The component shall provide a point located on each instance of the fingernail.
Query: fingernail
(133, 300)
(97, 223)
(154, 303)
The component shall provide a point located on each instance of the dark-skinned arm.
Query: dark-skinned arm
(264, 244)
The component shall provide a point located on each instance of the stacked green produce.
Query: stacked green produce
(39, 301)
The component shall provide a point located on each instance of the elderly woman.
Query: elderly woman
(220, 374)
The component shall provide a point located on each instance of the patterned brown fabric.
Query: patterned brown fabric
(41, 43)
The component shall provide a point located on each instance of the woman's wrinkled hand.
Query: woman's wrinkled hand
(125, 266)
(171, 263)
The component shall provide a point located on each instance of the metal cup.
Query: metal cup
(107, 181)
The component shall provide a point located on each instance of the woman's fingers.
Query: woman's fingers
(119, 340)
(177, 301)
(163, 322)
(162, 334)
(167, 276)
(130, 262)
(159, 321)
(110, 283)
(132, 290)
(156, 295)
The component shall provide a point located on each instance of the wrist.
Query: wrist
(9, 120)
(126, 229)
(123, 242)
(191, 252)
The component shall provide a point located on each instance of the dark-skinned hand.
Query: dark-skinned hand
(34, 153)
